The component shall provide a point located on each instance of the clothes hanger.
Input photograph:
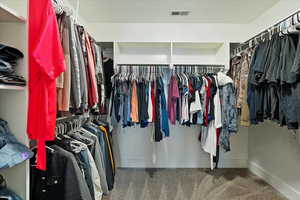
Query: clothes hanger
(47, 147)
(284, 28)
(293, 29)
(297, 16)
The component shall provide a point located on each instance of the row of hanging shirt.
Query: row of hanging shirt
(185, 96)
(82, 86)
(80, 162)
(266, 78)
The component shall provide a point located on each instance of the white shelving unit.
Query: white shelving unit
(170, 53)
(142, 53)
(13, 107)
(196, 53)
(9, 15)
(11, 87)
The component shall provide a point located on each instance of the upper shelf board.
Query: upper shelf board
(8, 15)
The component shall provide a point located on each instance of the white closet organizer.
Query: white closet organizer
(198, 53)
(133, 146)
(170, 53)
(13, 106)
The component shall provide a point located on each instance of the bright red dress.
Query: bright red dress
(46, 63)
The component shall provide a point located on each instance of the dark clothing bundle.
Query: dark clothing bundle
(273, 81)
(108, 67)
(80, 165)
(9, 57)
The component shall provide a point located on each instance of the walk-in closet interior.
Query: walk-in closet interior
(149, 100)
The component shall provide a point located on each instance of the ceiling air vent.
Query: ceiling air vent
(180, 13)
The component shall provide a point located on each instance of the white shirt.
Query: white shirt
(150, 107)
(217, 102)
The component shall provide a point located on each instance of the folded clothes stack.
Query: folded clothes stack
(8, 61)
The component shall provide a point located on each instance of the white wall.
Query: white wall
(274, 153)
(19, 6)
(166, 32)
(279, 11)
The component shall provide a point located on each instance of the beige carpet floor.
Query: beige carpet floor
(190, 184)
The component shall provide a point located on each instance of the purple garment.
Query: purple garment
(173, 95)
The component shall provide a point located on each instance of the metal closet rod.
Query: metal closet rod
(199, 65)
(266, 30)
(195, 65)
(143, 65)
(69, 118)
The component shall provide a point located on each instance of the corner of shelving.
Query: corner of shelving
(9, 15)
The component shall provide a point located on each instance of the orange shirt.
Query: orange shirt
(134, 104)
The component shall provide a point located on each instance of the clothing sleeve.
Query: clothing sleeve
(217, 111)
(175, 90)
(96, 177)
(75, 185)
(232, 111)
(48, 51)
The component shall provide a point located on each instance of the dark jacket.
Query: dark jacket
(63, 179)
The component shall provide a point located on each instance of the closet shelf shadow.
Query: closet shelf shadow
(11, 87)
(8, 15)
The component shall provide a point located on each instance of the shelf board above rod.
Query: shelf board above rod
(9, 15)
(152, 64)
(11, 87)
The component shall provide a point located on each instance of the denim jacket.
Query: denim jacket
(229, 110)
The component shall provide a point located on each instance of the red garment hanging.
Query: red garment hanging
(208, 97)
(46, 63)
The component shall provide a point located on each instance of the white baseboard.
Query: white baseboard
(203, 163)
(285, 189)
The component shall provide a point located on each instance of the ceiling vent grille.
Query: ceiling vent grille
(180, 13)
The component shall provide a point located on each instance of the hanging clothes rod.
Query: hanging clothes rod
(276, 27)
(195, 65)
(70, 118)
(143, 65)
(176, 65)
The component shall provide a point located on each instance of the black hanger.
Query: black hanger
(2, 182)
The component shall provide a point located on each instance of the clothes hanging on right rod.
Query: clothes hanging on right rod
(267, 78)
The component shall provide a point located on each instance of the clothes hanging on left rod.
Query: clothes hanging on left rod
(82, 86)
(82, 165)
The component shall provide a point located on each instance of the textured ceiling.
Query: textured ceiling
(144, 11)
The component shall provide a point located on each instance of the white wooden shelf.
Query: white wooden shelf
(198, 45)
(11, 87)
(170, 53)
(9, 15)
